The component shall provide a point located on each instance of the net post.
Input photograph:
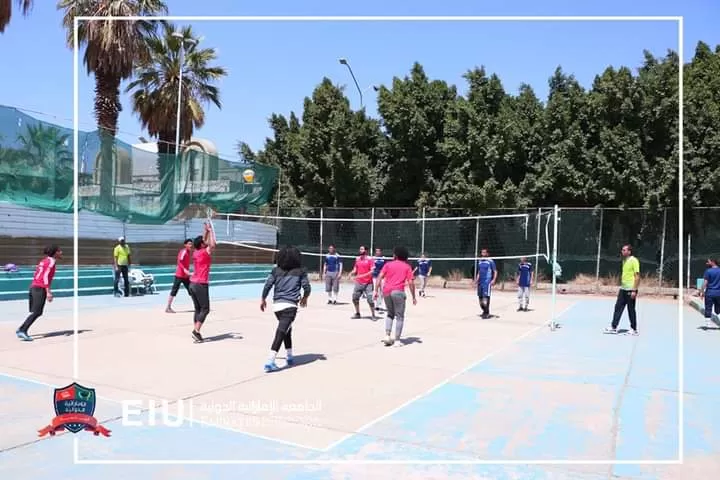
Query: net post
(227, 229)
(554, 263)
(422, 235)
(537, 245)
(599, 251)
(661, 267)
(322, 215)
(689, 240)
(277, 207)
(372, 229)
(477, 245)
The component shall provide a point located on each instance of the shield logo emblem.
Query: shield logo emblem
(75, 399)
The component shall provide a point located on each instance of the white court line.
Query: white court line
(446, 381)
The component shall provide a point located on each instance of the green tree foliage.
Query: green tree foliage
(614, 143)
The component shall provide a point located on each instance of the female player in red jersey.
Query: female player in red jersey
(40, 291)
(200, 278)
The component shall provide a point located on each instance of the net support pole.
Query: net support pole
(372, 229)
(277, 207)
(661, 267)
(477, 245)
(227, 227)
(554, 266)
(422, 235)
(321, 240)
(688, 260)
(537, 246)
(599, 251)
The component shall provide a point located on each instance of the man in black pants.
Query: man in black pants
(121, 264)
(627, 296)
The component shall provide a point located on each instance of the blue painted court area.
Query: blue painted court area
(572, 394)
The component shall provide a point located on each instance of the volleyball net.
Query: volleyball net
(453, 244)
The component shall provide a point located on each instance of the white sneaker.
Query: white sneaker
(397, 342)
(610, 330)
(387, 340)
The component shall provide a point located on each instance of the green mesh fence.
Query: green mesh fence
(136, 185)
(589, 239)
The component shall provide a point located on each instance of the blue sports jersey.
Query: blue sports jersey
(377, 266)
(486, 270)
(332, 262)
(712, 275)
(524, 274)
(423, 266)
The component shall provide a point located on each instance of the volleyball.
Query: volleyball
(249, 175)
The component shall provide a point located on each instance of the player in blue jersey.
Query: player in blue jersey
(711, 289)
(332, 272)
(378, 264)
(524, 280)
(423, 270)
(485, 280)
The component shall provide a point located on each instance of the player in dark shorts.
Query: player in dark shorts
(182, 273)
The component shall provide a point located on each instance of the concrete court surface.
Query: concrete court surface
(461, 388)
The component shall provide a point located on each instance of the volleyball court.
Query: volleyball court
(458, 386)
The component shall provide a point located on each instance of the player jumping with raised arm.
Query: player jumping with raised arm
(200, 279)
(423, 269)
(40, 291)
(332, 273)
(485, 280)
(362, 271)
(524, 280)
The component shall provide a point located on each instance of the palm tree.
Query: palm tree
(112, 49)
(155, 90)
(6, 11)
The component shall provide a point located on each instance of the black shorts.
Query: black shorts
(185, 282)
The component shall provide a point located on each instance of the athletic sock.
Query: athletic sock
(271, 358)
(288, 352)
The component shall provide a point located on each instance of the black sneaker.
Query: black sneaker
(357, 315)
(520, 309)
(197, 337)
(330, 302)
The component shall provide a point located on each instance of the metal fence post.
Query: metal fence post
(321, 240)
(372, 230)
(477, 245)
(599, 251)
(422, 235)
(689, 240)
(537, 246)
(661, 267)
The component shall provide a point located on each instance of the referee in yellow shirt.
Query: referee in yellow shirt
(627, 296)
(121, 264)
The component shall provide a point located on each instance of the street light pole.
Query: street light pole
(182, 40)
(343, 61)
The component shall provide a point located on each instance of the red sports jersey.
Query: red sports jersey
(202, 262)
(183, 263)
(363, 266)
(44, 273)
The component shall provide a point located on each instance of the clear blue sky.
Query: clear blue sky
(273, 66)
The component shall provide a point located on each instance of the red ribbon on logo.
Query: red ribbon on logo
(58, 424)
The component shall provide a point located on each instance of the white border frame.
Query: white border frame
(185, 18)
